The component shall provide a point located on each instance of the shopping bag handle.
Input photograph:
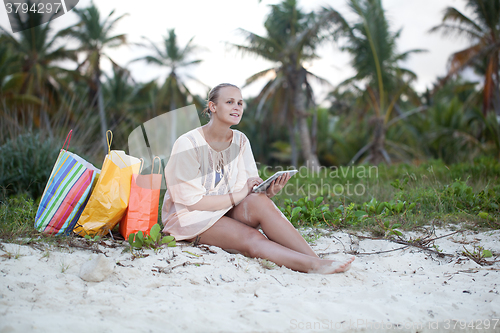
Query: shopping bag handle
(109, 139)
(142, 164)
(159, 165)
(153, 166)
(68, 139)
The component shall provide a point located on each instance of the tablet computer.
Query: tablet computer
(262, 187)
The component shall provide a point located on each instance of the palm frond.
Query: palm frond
(107, 27)
(190, 62)
(404, 56)
(454, 15)
(259, 75)
(252, 50)
(154, 47)
(461, 59)
(320, 80)
(448, 30)
(329, 20)
(118, 39)
(268, 90)
(264, 47)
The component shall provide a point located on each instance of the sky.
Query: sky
(214, 24)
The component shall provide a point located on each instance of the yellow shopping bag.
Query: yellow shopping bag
(110, 197)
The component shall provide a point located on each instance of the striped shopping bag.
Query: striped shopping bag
(66, 194)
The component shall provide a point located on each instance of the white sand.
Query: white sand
(40, 291)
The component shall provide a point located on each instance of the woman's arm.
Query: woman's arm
(217, 202)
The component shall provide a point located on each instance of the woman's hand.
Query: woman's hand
(247, 189)
(251, 182)
(277, 185)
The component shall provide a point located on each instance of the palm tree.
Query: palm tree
(374, 56)
(483, 31)
(120, 91)
(127, 103)
(30, 62)
(94, 36)
(173, 93)
(292, 38)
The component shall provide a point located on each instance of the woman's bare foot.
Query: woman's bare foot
(332, 266)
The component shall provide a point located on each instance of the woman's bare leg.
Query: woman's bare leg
(257, 209)
(232, 235)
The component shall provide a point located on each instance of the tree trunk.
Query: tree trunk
(102, 116)
(173, 121)
(312, 161)
(488, 87)
(378, 140)
(496, 85)
(293, 144)
(314, 130)
(100, 106)
(310, 157)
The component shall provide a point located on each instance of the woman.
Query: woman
(209, 199)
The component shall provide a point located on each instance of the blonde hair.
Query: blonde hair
(213, 96)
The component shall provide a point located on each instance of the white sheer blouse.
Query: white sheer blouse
(191, 174)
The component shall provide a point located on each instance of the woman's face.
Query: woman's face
(229, 107)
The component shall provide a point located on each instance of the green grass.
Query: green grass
(393, 198)
(460, 193)
(17, 217)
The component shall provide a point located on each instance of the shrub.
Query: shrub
(26, 163)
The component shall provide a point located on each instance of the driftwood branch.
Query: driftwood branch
(420, 244)
(377, 252)
(169, 269)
